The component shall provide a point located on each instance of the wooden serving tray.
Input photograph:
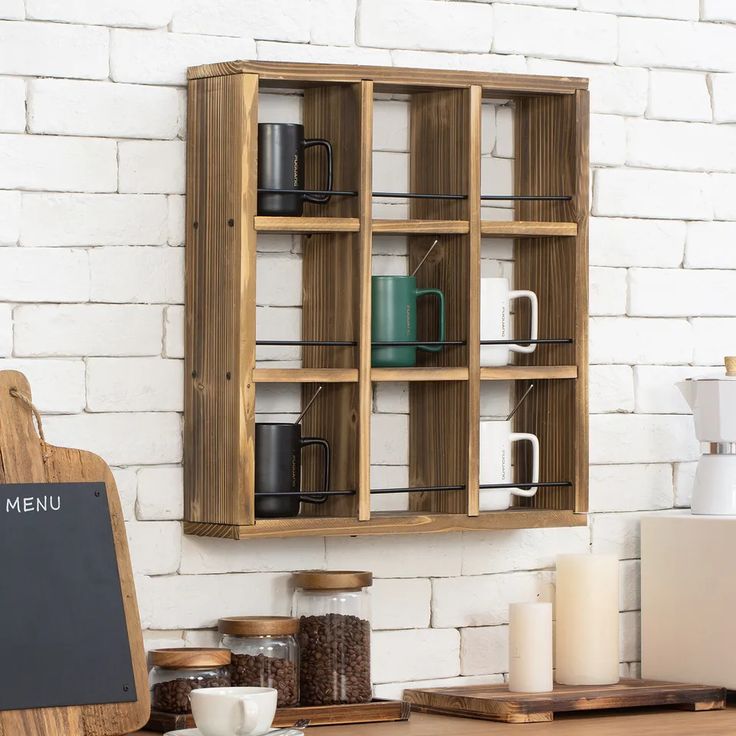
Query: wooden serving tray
(316, 715)
(496, 703)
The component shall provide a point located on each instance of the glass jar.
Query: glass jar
(265, 653)
(176, 672)
(333, 609)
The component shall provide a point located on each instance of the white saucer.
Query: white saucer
(197, 732)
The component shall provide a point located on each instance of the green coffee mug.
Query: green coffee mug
(394, 319)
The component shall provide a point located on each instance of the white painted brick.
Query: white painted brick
(9, 217)
(153, 57)
(637, 438)
(6, 329)
(685, 146)
(279, 281)
(278, 323)
(94, 219)
(54, 163)
(656, 392)
(680, 292)
(408, 655)
(487, 128)
(413, 610)
(44, 275)
(613, 89)
(391, 125)
(147, 275)
(679, 9)
(135, 384)
(611, 389)
(87, 329)
(155, 546)
(484, 650)
(630, 487)
(58, 385)
(623, 242)
(332, 22)
(718, 10)
(176, 208)
(12, 10)
(390, 171)
(684, 481)
(504, 147)
(624, 340)
(278, 398)
(676, 44)
(419, 24)
(495, 399)
(151, 167)
(723, 94)
(13, 108)
(522, 549)
(390, 476)
(616, 534)
(629, 585)
(669, 195)
(390, 439)
(53, 50)
(133, 13)
(67, 107)
(162, 640)
(391, 398)
(395, 556)
(307, 52)
(708, 337)
(278, 243)
(198, 601)
(389, 265)
(607, 140)
(507, 63)
(125, 481)
(630, 636)
(395, 690)
(201, 555)
(281, 20)
(558, 34)
(202, 638)
(484, 601)
(607, 291)
(724, 196)
(120, 439)
(497, 178)
(174, 332)
(678, 96)
(160, 494)
(279, 108)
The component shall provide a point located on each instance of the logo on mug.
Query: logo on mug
(293, 471)
(408, 319)
(296, 170)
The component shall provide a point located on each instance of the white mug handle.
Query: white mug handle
(248, 717)
(518, 437)
(532, 297)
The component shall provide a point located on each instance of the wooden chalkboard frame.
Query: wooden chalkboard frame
(25, 458)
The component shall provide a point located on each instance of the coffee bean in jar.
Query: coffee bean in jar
(334, 636)
(176, 672)
(265, 653)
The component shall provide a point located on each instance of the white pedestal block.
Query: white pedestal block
(688, 599)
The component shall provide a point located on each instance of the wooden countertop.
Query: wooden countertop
(639, 722)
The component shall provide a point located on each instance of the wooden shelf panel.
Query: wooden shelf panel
(419, 374)
(307, 224)
(527, 229)
(305, 375)
(390, 523)
(421, 227)
(528, 372)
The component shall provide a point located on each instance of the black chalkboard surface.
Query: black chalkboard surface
(63, 635)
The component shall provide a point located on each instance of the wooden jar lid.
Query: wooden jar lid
(333, 579)
(189, 657)
(258, 625)
(730, 361)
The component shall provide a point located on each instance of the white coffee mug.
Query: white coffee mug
(234, 711)
(496, 439)
(495, 318)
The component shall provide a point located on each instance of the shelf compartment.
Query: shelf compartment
(528, 372)
(527, 229)
(421, 227)
(307, 224)
(305, 375)
(419, 374)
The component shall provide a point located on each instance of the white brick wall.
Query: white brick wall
(92, 130)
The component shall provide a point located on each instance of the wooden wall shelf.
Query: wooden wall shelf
(550, 258)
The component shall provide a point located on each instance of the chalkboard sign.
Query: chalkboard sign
(63, 633)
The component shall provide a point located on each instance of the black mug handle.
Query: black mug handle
(325, 445)
(321, 198)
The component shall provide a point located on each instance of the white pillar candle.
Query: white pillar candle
(530, 647)
(586, 615)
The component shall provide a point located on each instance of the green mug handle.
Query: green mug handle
(441, 338)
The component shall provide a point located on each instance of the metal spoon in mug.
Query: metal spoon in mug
(306, 408)
(520, 402)
(431, 248)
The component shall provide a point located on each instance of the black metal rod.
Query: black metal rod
(540, 341)
(321, 343)
(417, 489)
(423, 195)
(419, 195)
(548, 484)
(334, 192)
(408, 343)
(305, 493)
(526, 197)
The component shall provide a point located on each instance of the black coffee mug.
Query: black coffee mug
(279, 469)
(281, 149)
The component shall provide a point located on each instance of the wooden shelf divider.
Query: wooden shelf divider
(522, 229)
(419, 374)
(307, 224)
(419, 227)
(528, 372)
(305, 375)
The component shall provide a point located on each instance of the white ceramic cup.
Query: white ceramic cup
(496, 439)
(495, 318)
(234, 711)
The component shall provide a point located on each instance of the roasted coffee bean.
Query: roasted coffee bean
(173, 696)
(335, 659)
(262, 671)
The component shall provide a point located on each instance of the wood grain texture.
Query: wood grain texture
(419, 227)
(496, 703)
(306, 224)
(419, 374)
(521, 229)
(305, 375)
(22, 461)
(528, 372)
